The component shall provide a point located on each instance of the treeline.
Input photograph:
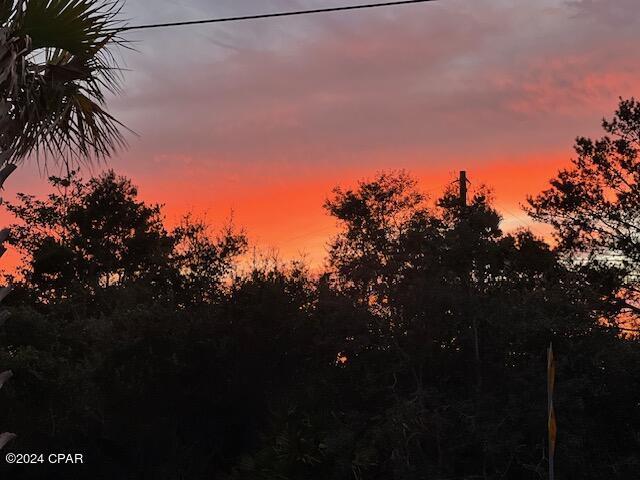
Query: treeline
(420, 353)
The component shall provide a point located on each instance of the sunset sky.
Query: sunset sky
(265, 117)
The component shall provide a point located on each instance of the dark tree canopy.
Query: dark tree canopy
(203, 259)
(88, 235)
(380, 220)
(418, 353)
(95, 235)
(458, 314)
(594, 207)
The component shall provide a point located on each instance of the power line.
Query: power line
(272, 15)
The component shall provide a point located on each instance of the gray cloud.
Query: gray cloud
(429, 83)
(616, 13)
(447, 79)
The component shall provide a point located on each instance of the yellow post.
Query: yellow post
(552, 427)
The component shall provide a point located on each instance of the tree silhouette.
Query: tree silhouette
(594, 207)
(460, 314)
(87, 236)
(55, 65)
(204, 259)
(419, 352)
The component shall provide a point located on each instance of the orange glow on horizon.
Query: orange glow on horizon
(286, 215)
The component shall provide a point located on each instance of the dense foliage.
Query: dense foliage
(594, 207)
(420, 353)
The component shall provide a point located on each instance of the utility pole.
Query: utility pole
(463, 188)
(463, 181)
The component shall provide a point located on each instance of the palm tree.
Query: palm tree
(56, 65)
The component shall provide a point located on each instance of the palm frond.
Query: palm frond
(56, 64)
(77, 26)
(6, 9)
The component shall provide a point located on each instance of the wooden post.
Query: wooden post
(463, 188)
(462, 196)
(552, 427)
